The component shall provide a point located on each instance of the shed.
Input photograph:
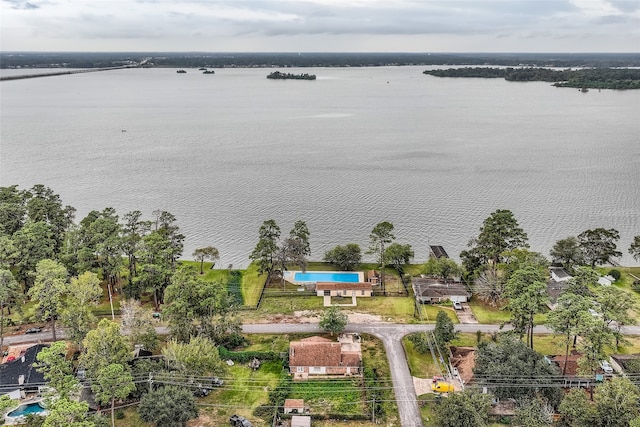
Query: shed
(294, 406)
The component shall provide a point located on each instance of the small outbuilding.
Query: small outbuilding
(294, 406)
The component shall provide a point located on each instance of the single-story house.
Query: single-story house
(294, 406)
(19, 376)
(343, 289)
(559, 274)
(429, 290)
(300, 421)
(437, 252)
(322, 356)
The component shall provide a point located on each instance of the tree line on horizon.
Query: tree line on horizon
(596, 78)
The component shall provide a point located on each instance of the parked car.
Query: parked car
(217, 382)
(606, 367)
(33, 330)
(442, 387)
(457, 305)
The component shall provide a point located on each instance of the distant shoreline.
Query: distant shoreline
(86, 60)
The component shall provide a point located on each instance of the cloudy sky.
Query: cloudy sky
(321, 25)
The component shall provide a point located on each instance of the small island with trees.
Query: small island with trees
(594, 78)
(277, 75)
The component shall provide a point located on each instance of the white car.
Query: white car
(457, 305)
(606, 367)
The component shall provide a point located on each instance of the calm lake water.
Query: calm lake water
(225, 152)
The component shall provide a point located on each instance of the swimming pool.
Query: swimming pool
(324, 276)
(26, 409)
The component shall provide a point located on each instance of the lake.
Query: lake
(223, 152)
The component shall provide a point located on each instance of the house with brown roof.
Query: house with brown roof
(428, 291)
(343, 289)
(318, 356)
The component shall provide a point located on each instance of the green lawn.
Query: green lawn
(487, 314)
(341, 396)
(420, 365)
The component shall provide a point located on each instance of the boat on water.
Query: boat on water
(584, 89)
(181, 71)
(202, 69)
(208, 72)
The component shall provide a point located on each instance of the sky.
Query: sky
(320, 25)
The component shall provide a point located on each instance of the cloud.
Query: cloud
(625, 6)
(21, 4)
(292, 24)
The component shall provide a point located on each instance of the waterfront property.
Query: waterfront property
(317, 356)
(328, 284)
(310, 277)
(344, 290)
(429, 291)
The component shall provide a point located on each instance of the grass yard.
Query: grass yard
(487, 314)
(420, 365)
(340, 396)
(391, 309)
(252, 283)
(244, 390)
(283, 305)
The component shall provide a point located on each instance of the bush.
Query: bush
(120, 414)
(636, 286)
(247, 356)
(615, 274)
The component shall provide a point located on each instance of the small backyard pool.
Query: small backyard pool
(26, 409)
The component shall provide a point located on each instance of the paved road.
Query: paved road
(389, 333)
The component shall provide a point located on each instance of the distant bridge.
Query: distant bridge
(86, 70)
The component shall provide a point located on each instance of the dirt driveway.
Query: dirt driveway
(466, 315)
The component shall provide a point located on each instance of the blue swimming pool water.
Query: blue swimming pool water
(24, 410)
(326, 276)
